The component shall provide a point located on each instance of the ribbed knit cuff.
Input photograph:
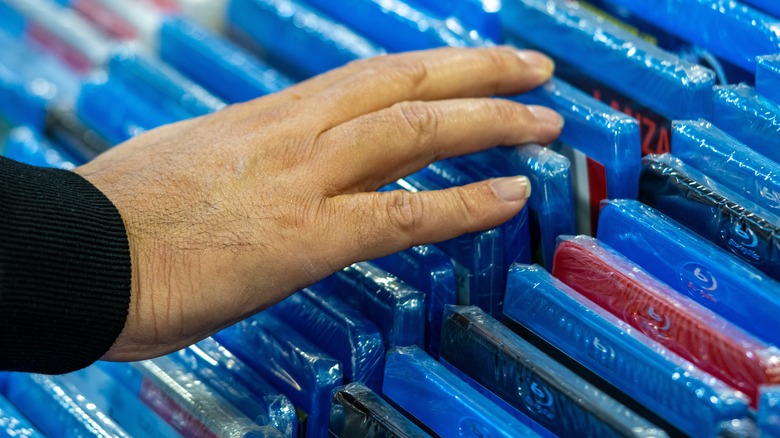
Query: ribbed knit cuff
(65, 270)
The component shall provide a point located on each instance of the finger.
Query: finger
(440, 74)
(382, 223)
(378, 148)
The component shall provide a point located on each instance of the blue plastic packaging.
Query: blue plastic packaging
(18, 106)
(588, 336)
(239, 385)
(768, 6)
(290, 362)
(529, 384)
(395, 307)
(550, 204)
(355, 411)
(116, 401)
(731, 163)
(693, 266)
(768, 418)
(220, 66)
(723, 217)
(57, 408)
(768, 76)
(398, 26)
(338, 328)
(729, 29)
(13, 424)
(184, 401)
(480, 16)
(477, 257)
(750, 118)
(448, 406)
(430, 270)
(288, 33)
(648, 83)
(602, 144)
(27, 146)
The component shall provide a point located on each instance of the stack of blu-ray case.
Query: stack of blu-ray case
(749, 117)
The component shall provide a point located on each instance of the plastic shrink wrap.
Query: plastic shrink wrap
(480, 16)
(430, 270)
(290, 362)
(13, 424)
(448, 406)
(750, 118)
(515, 233)
(731, 30)
(355, 411)
(648, 83)
(529, 384)
(60, 30)
(57, 408)
(680, 324)
(731, 163)
(693, 266)
(719, 215)
(551, 192)
(477, 257)
(287, 32)
(339, 329)
(618, 359)
(398, 25)
(768, 416)
(769, 6)
(27, 146)
(239, 384)
(184, 401)
(768, 76)
(114, 400)
(602, 144)
(395, 307)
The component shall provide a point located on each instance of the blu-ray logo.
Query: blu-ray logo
(771, 196)
(540, 401)
(699, 281)
(747, 235)
(654, 324)
(470, 428)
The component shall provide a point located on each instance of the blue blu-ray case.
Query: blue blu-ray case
(602, 144)
(729, 162)
(12, 423)
(551, 200)
(480, 16)
(650, 84)
(287, 33)
(395, 307)
(771, 7)
(355, 411)
(291, 363)
(217, 64)
(240, 385)
(428, 269)
(693, 266)
(728, 29)
(184, 401)
(397, 25)
(619, 360)
(529, 384)
(57, 408)
(768, 414)
(716, 213)
(749, 117)
(477, 257)
(768, 76)
(424, 389)
(338, 328)
(113, 399)
(27, 146)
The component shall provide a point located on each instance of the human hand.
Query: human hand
(230, 213)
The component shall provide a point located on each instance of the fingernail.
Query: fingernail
(546, 115)
(512, 189)
(537, 61)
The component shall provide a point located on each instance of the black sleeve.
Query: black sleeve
(64, 270)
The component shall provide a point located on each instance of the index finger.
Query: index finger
(370, 85)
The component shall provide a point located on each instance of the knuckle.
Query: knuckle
(505, 112)
(501, 58)
(414, 73)
(468, 203)
(419, 119)
(405, 211)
